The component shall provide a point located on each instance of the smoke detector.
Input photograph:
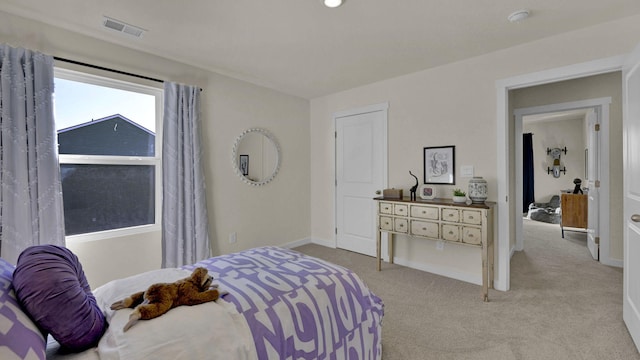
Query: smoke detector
(122, 27)
(518, 16)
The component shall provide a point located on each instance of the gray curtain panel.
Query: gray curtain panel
(31, 209)
(185, 235)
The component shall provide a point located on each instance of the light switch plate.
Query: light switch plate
(466, 171)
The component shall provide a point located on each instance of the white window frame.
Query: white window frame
(135, 86)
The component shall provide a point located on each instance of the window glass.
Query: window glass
(106, 197)
(99, 120)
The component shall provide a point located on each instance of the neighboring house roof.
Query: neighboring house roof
(107, 118)
(112, 135)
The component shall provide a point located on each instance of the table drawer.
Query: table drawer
(401, 225)
(425, 228)
(471, 235)
(386, 223)
(472, 217)
(386, 208)
(401, 209)
(451, 215)
(424, 212)
(450, 232)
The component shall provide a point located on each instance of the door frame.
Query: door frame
(385, 161)
(602, 106)
(505, 170)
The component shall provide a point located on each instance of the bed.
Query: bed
(277, 304)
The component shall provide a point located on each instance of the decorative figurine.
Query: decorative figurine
(578, 188)
(413, 188)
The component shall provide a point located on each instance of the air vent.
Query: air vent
(122, 27)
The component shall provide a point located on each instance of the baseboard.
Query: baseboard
(327, 243)
(612, 262)
(441, 270)
(296, 243)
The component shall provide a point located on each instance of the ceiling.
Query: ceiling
(302, 48)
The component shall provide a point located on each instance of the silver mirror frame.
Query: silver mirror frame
(234, 157)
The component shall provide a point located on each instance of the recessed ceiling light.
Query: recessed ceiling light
(518, 16)
(332, 3)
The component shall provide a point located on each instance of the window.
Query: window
(110, 154)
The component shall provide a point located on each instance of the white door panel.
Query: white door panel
(361, 173)
(631, 158)
(593, 177)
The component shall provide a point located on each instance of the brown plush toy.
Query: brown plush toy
(160, 298)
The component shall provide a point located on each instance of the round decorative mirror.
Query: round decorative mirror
(256, 156)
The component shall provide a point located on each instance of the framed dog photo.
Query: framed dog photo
(427, 192)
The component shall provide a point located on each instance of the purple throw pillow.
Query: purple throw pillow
(51, 287)
(19, 336)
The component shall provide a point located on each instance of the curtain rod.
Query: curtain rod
(107, 69)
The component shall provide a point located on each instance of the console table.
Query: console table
(439, 219)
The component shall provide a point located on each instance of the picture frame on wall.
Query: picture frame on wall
(244, 164)
(427, 192)
(440, 165)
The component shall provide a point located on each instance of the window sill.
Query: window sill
(110, 234)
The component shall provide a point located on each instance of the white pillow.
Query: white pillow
(212, 330)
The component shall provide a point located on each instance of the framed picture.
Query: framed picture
(244, 164)
(427, 192)
(440, 165)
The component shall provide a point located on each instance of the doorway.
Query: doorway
(586, 132)
(506, 180)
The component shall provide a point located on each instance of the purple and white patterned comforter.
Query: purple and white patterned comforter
(300, 307)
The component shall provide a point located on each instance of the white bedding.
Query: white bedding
(212, 330)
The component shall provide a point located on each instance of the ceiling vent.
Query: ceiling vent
(123, 27)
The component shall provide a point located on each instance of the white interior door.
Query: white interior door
(631, 158)
(593, 182)
(361, 173)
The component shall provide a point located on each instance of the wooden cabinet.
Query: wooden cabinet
(574, 208)
(440, 219)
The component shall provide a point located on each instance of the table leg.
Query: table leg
(390, 244)
(485, 271)
(378, 249)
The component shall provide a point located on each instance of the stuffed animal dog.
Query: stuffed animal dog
(160, 298)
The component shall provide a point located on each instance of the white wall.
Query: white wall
(275, 214)
(551, 134)
(454, 104)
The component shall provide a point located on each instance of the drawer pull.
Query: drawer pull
(470, 217)
(450, 232)
(450, 215)
(401, 225)
(470, 235)
(424, 229)
(424, 212)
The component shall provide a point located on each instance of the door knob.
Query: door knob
(378, 192)
(635, 217)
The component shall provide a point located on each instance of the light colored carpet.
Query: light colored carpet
(562, 305)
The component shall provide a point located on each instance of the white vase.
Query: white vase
(477, 190)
